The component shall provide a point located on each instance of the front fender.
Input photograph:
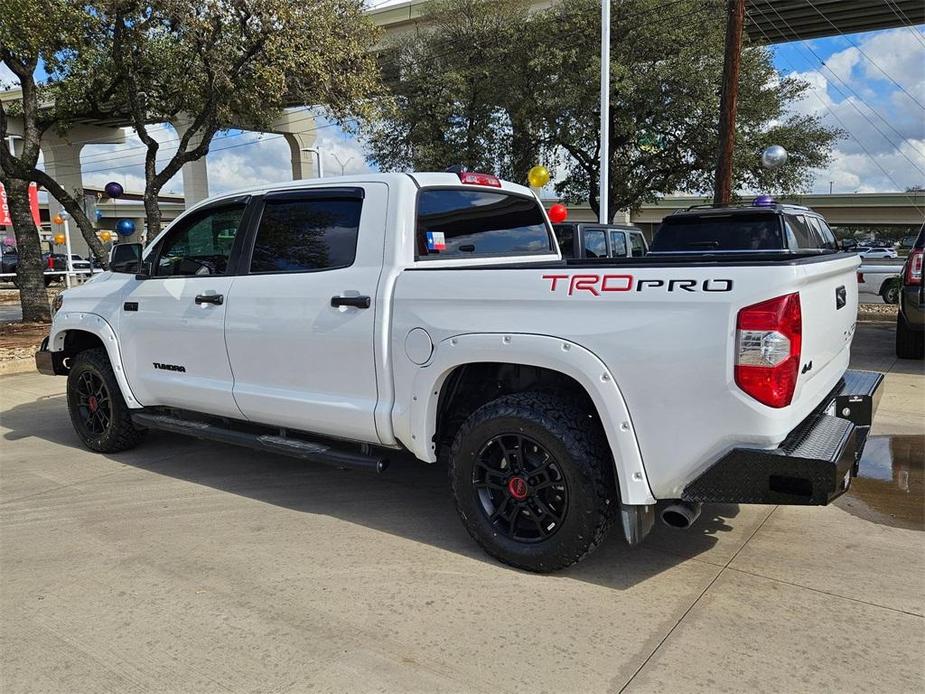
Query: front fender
(96, 325)
(415, 425)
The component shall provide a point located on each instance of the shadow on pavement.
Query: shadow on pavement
(411, 499)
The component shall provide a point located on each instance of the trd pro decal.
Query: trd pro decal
(596, 284)
(169, 367)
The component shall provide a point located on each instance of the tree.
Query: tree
(665, 79)
(218, 65)
(33, 31)
(460, 92)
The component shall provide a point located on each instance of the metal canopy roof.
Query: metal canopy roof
(767, 21)
(779, 21)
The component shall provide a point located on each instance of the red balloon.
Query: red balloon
(558, 213)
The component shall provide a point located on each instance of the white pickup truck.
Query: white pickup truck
(341, 320)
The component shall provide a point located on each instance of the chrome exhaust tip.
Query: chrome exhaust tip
(680, 515)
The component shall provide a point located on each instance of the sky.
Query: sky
(871, 85)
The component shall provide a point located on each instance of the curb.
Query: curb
(17, 366)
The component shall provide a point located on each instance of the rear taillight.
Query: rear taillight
(51, 263)
(768, 342)
(479, 179)
(914, 267)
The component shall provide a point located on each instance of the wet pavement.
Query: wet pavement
(889, 488)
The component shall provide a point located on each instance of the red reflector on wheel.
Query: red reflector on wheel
(768, 343)
(479, 179)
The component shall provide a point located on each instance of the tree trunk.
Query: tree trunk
(30, 270)
(152, 212)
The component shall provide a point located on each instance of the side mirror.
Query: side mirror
(125, 257)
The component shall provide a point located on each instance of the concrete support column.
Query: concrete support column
(304, 164)
(62, 163)
(195, 173)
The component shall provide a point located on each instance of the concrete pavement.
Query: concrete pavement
(183, 566)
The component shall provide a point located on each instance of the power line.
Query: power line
(844, 127)
(869, 59)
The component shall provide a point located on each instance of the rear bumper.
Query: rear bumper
(813, 465)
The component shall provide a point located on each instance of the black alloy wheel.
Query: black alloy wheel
(94, 405)
(520, 488)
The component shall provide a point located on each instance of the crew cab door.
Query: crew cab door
(171, 324)
(301, 319)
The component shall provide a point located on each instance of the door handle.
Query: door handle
(217, 299)
(355, 301)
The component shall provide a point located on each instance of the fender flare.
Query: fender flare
(95, 325)
(543, 351)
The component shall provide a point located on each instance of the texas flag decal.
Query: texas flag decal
(436, 241)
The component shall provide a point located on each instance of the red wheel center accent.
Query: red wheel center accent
(517, 486)
(94, 403)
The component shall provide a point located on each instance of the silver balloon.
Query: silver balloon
(774, 157)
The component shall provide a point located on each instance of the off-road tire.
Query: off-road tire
(119, 434)
(910, 344)
(575, 440)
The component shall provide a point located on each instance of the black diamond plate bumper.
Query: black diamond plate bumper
(813, 465)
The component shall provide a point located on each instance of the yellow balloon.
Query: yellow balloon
(58, 219)
(59, 239)
(538, 176)
(105, 236)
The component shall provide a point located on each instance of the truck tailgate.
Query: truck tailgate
(829, 306)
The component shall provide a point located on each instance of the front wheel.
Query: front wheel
(98, 411)
(533, 480)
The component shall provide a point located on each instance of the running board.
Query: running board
(296, 448)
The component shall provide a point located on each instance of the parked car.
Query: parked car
(340, 320)
(80, 265)
(9, 259)
(868, 252)
(764, 228)
(590, 240)
(882, 281)
(910, 321)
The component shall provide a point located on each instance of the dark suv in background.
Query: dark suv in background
(766, 227)
(910, 322)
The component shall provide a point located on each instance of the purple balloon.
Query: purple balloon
(763, 201)
(114, 190)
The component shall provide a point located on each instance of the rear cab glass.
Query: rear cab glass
(463, 223)
(728, 232)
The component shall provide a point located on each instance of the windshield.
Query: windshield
(739, 232)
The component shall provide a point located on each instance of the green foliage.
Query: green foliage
(489, 86)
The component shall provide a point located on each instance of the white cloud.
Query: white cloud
(7, 79)
(870, 91)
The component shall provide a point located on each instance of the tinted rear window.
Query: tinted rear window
(456, 223)
(739, 232)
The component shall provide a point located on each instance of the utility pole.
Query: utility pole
(735, 22)
(604, 203)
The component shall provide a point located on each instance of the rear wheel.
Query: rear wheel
(890, 292)
(910, 344)
(533, 480)
(96, 406)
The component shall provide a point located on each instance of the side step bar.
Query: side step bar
(296, 448)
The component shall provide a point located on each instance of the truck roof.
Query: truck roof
(421, 179)
(750, 209)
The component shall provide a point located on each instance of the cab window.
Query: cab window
(595, 243)
(638, 245)
(306, 235)
(454, 223)
(201, 245)
(617, 244)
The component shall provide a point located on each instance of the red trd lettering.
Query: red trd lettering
(627, 279)
(555, 279)
(583, 283)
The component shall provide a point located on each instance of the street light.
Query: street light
(605, 112)
(342, 163)
(317, 153)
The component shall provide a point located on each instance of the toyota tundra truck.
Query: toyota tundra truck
(345, 320)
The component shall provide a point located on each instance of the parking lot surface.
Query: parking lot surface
(185, 566)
